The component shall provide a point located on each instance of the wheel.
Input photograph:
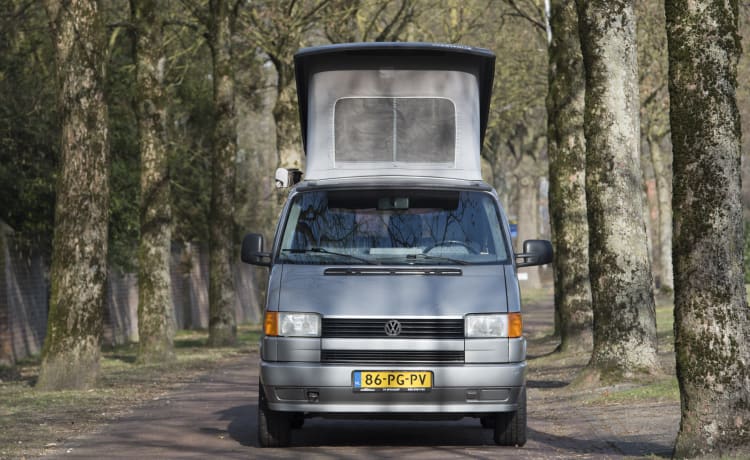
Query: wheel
(450, 243)
(510, 427)
(274, 428)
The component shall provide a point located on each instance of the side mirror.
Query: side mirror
(535, 252)
(287, 177)
(252, 250)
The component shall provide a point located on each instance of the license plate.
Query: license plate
(392, 380)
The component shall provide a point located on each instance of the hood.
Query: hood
(404, 292)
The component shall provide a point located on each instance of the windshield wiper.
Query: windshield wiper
(423, 256)
(429, 257)
(333, 253)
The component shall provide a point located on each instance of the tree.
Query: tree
(514, 149)
(29, 125)
(368, 20)
(712, 320)
(78, 274)
(155, 310)
(222, 324)
(620, 270)
(652, 58)
(567, 172)
(279, 28)
(6, 344)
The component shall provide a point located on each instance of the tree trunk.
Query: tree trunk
(712, 320)
(623, 301)
(78, 273)
(528, 227)
(567, 173)
(222, 325)
(286, 118)
(6, 338)
(155, 310)
(664, 228)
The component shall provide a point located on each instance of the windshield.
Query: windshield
(401, 227)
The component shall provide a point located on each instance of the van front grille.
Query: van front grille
(390, 356)
(410, 328)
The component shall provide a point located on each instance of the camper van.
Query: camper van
(392, 288)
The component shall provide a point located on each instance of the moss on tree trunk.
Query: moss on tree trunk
(620, 269)
(155, 310)
(222, 323)
(78, 273)
(712, 320)
(567, 172)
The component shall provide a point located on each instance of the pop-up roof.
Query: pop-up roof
(376, 109)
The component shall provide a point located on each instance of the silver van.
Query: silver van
(392, 289)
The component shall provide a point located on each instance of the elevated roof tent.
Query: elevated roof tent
(393, 109)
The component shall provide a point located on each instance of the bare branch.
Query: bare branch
(519, 12)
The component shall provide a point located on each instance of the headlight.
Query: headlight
(288, 324)
(493, 325)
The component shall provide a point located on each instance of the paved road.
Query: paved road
(216, 417)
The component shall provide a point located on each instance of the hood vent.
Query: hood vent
(392, 271)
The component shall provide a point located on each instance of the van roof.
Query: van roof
(482, 59)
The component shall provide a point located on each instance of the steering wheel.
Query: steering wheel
(450, 243)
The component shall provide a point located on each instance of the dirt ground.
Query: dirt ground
(624, 420)
(215, 416)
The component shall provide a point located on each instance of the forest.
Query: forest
(130, 126)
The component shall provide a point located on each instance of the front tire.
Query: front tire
(274, 428)
(510, 427)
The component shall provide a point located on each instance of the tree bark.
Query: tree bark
(155, 310)
(712, 320)
(664, 228)
(78, 273)
(286, 118)
(623, 301)
(6, 338)
(528, 225)
(222, 322)
(567, 173)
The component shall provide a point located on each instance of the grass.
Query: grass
(33, 421)
(535, 295)
(665, 324)
(663, 389)
(660, 388)
(566, 366)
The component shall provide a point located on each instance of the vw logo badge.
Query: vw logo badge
(392, 328)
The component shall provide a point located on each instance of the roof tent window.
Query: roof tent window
(387, 129)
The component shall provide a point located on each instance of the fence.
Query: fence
(24, 297)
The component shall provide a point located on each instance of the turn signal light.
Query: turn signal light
(515, 325)
(271, 323)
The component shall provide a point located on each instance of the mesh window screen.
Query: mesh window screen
(409, 130)
(364, 129)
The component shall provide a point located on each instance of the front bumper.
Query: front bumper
(457, 389)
